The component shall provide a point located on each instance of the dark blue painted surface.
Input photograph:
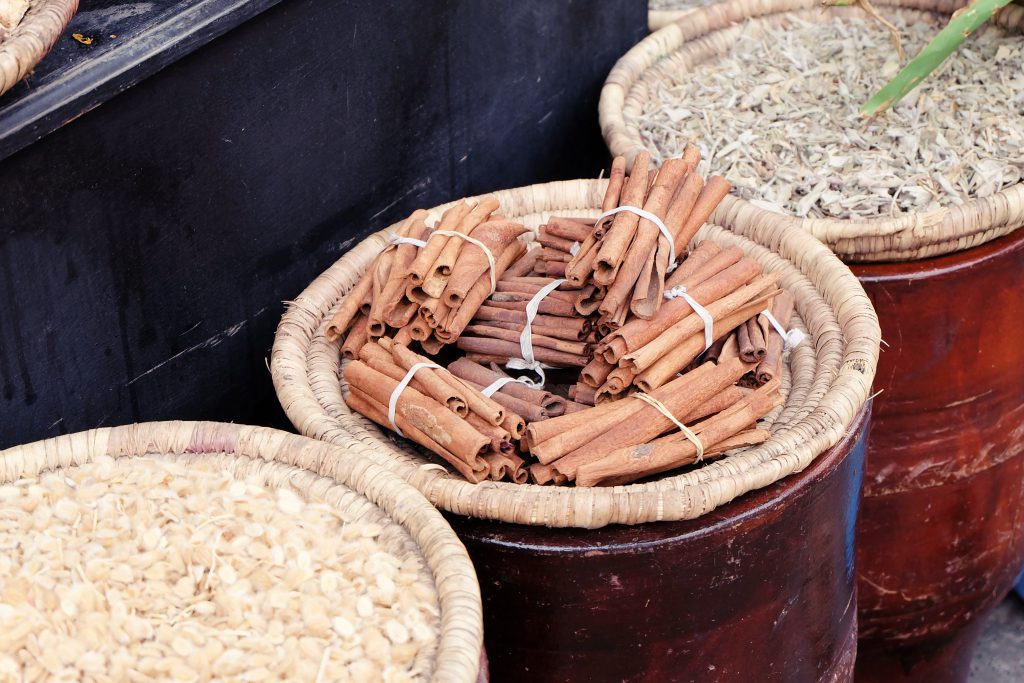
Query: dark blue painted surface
(147, 246)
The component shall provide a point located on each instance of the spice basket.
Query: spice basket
(27, 43)
(830, 381)
(661, 14)
(712, 30)
(358, 490)
(945, 436)
(818, 431)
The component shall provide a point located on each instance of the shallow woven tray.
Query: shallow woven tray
(29, 41)
(676, 48)
(830, 378)
(363, 490)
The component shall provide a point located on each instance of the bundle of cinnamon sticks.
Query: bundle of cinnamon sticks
(622, 265)
(561, 336)
(676, 356)
(427, 284)
(448, 416)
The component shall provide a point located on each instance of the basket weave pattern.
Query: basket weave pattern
(829, 382)
(700, 34)
(358, 488)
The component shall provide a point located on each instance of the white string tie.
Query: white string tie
(574, 248)
(475, 242)
(663, 409)
(792, 337)
(528, 361)
(679, 291)
(497, 384)
(395, 239)
(652, 218)
(393, 402)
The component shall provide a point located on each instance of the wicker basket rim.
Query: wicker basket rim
(461, 638)
(909, 236)
(304, 365)
(29, 41)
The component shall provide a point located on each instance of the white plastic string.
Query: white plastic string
(574, 248)
(497, 384)
(792, 337)
(679, 291)
(395, 239)
(652, 218)
(472, 240)
(528, 361)
(687, 432)
(393, 402)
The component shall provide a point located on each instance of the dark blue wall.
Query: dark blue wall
(147, 246)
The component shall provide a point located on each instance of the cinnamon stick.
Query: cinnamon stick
(506, 349)
(619, 236)
(771, 367)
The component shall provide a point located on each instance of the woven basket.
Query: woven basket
(830, 381)
(360, 488)
(660, 18)
(705, 32)
(28, 42)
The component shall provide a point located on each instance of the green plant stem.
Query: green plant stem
(963, 22)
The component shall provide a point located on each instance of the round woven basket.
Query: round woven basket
(660, 18)
(360, 489)
(703, 33)
(27, 43)
(829, 381)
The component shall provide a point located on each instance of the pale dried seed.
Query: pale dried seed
(143, 570)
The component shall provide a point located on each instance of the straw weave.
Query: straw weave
(28, 42)
(361, 490)
(829, 380)
(700, 34)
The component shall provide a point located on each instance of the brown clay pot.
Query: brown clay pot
(761, 589)
(940, 534)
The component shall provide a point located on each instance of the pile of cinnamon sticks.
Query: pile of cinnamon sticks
(428, 291)
(676, 360)
(621, 266)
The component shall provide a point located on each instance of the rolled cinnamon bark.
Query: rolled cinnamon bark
(729, 286)
(423, 412)
(553, 269)
(357, 336)
(628, 464)
(516, 284)
(547, 306)
(552, 255)
(473, 263)
(596, 372)
(442, 268)
(590, 299)
(648, 422)
(479, 292)
(403, 337)
(543, 475)
(549, 241)
(554, 405)
(572, 230)
(505, 349)
(579, 269)
(488, 314)
(751, 333)
(585, 394)
(425, 381)
(749, 437)
(771, 367)
(424, 261)
(526, 292)
(665, 367)
(514, 424)
(566, 346)
(523, 265)
(645, 240)
(710, 197)
(365, 405)
(618, 237)
(501, 440)
(712, 354)
(691, 155)
(530, 412)
(553, 439)
(349, 308)
(392, 296)
(432, 345)
(574, 407)
(548, 331)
